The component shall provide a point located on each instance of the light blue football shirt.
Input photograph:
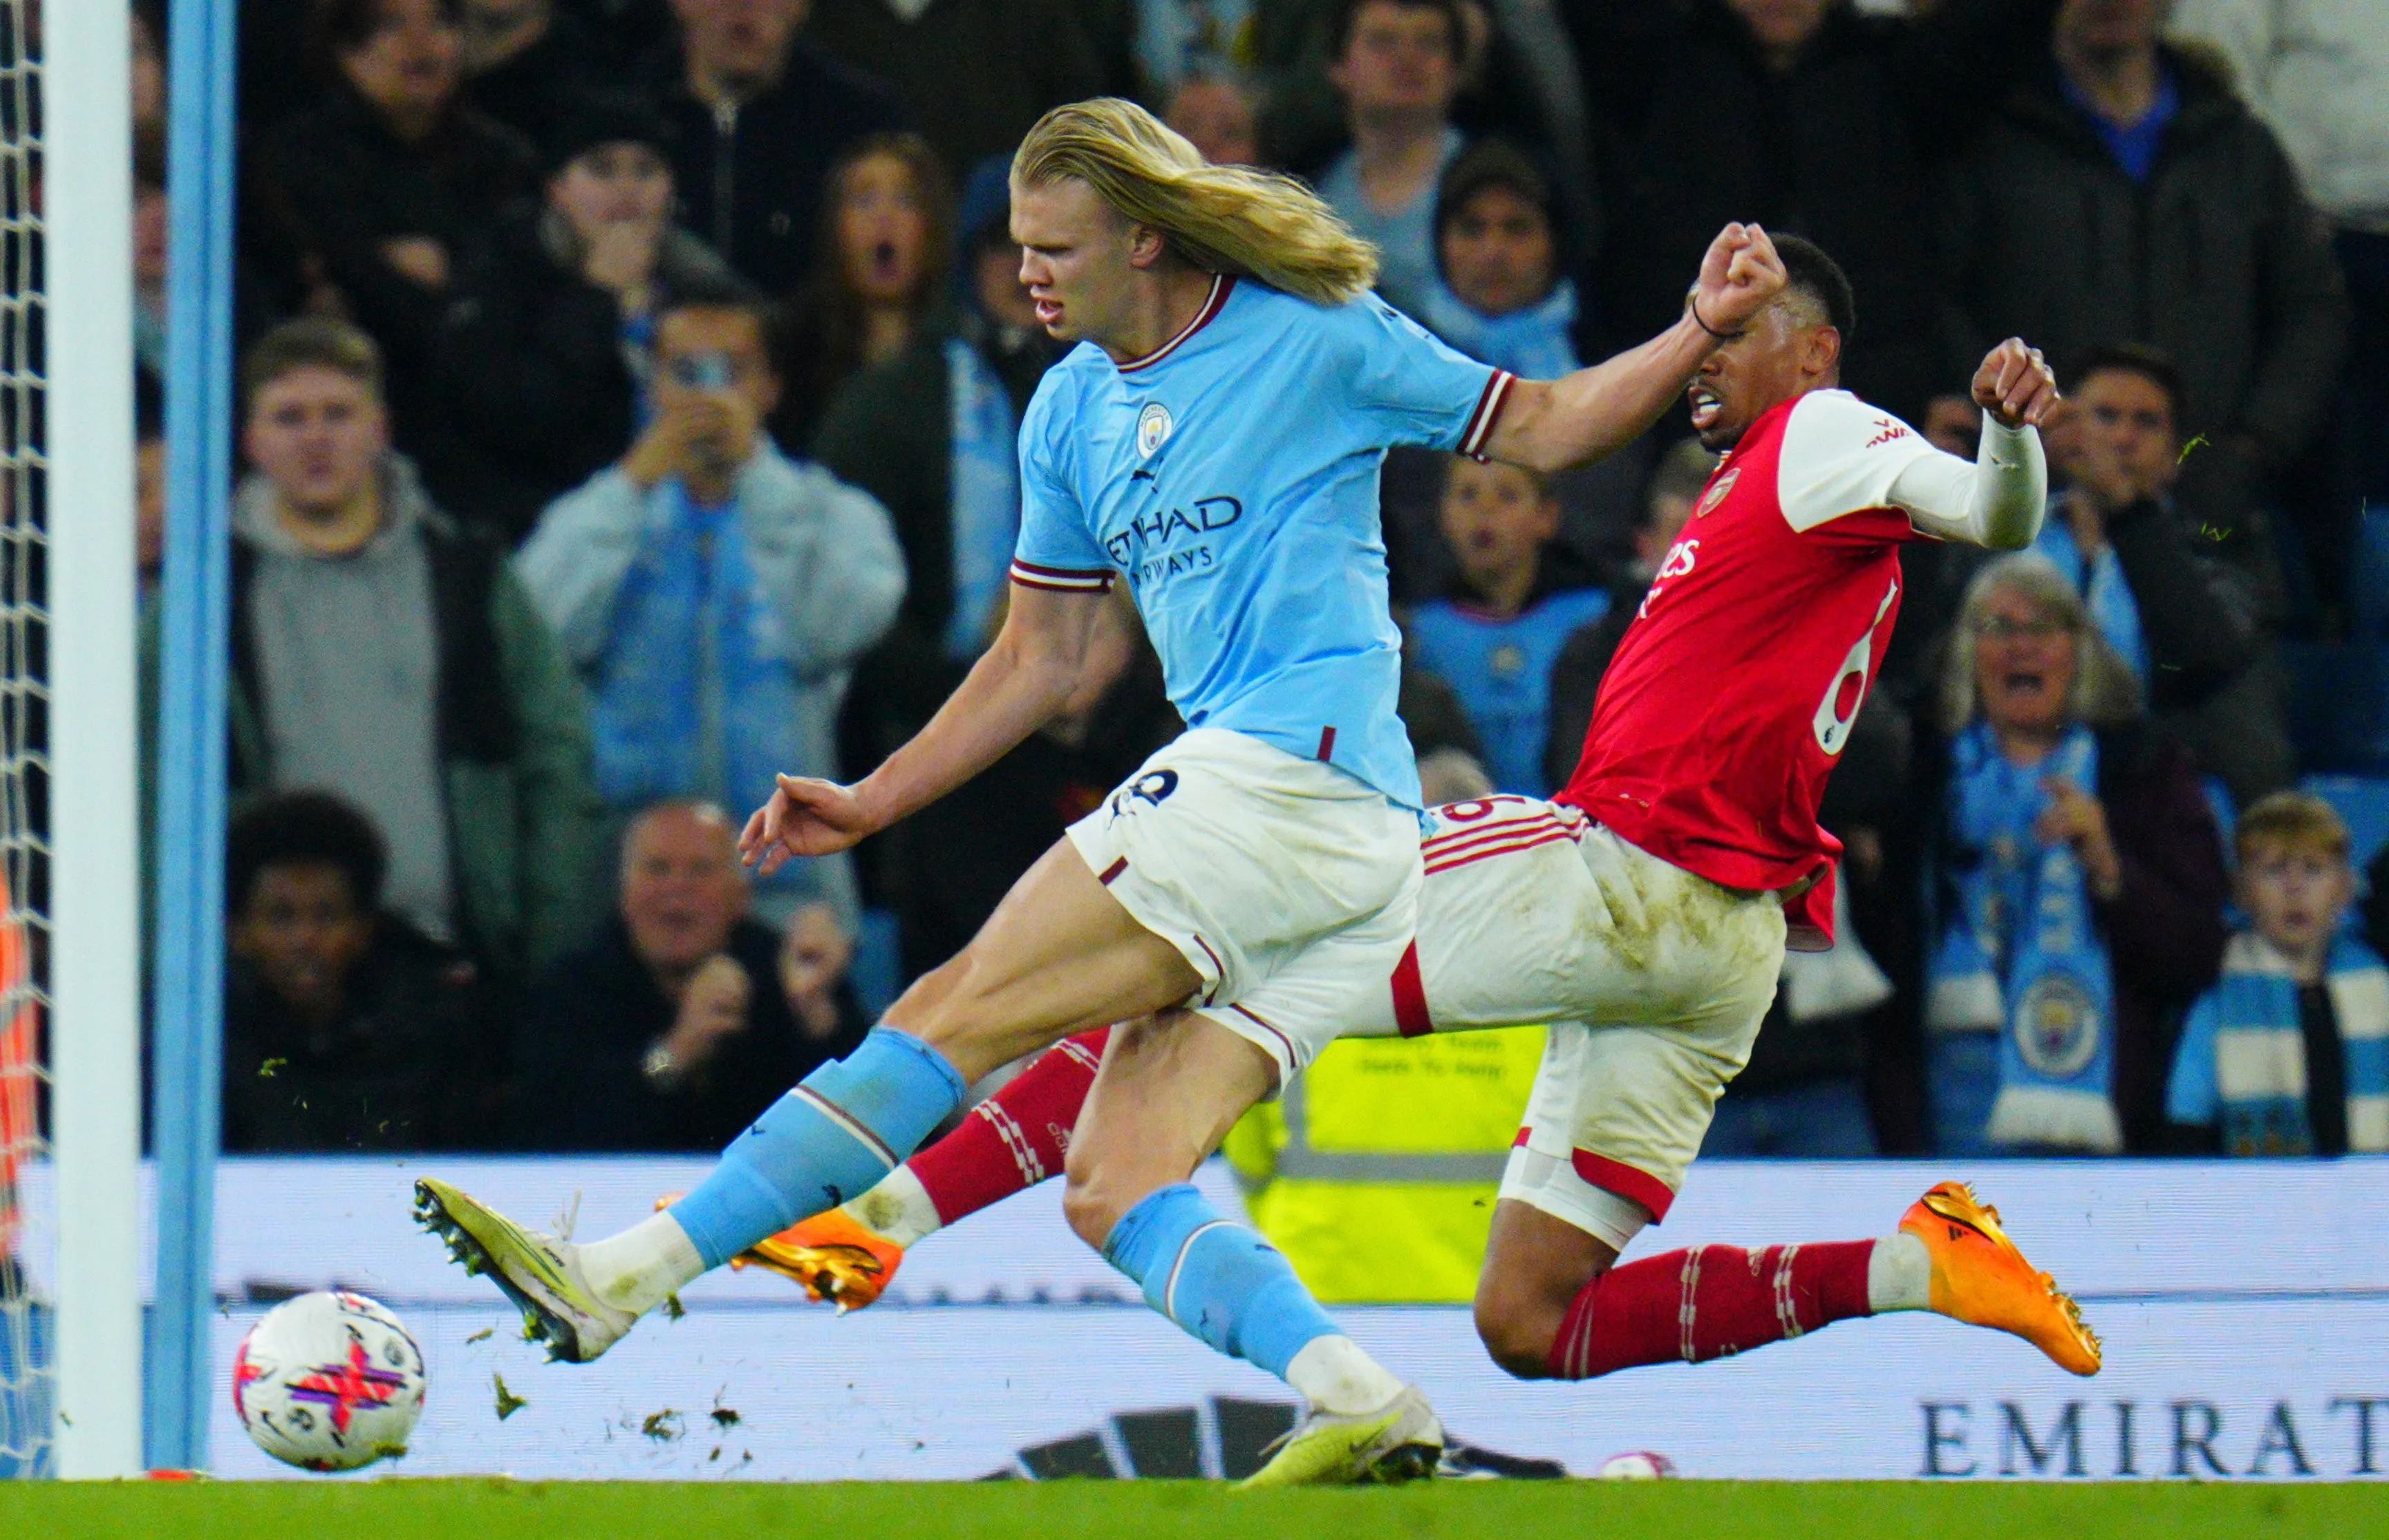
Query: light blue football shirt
(1501, 668)
(1232, 475)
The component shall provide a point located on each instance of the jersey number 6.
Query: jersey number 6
(1839, 709)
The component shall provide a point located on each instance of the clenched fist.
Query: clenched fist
(2015, 385)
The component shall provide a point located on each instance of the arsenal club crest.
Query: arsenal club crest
(1717, 489)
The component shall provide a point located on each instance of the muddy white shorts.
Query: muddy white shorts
(1290, 888)
(1653, 982)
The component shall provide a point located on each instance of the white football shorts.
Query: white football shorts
(1653, 982)
(1289, 887)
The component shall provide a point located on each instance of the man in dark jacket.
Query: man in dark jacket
(345, 1028)
(387, 188)
(760, 115)
(2124, 191)
(669, 1031)
(381, 651)
(2200, 593)
(1806, 116)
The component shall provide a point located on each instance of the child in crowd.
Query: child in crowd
(1501, 296)
(1495, 639)
(2289, 1053)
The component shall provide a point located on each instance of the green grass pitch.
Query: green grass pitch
(1181, 1510)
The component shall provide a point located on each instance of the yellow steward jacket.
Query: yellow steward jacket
(1375, 1173)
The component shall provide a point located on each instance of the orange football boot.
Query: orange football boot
(838, 1260)
(836, 1257)
(1980, 1277)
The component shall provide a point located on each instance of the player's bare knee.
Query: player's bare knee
(1516, 1332)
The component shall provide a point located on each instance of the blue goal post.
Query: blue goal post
(188, 989)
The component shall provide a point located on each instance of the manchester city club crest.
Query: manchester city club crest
(2057, 1027)
(1152, 428)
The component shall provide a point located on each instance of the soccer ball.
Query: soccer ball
(329, 1381)
(1639, 1465)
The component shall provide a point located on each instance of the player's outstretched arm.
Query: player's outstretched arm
(1995, 502)
(1018, 686)
(1552, 426)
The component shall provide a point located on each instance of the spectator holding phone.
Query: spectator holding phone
(714, 593)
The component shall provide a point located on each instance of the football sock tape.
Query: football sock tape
(831, 1139)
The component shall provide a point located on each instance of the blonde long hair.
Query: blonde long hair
(1222, 219)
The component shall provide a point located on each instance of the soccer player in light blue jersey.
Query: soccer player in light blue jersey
(1214, 442)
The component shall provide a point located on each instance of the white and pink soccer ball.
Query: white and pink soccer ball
(329, 1381)
(1636, 1464)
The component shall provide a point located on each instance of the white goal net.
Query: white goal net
(26, 1230)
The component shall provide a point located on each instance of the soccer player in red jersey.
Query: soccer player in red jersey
(1646, 910)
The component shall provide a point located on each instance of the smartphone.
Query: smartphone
(704, 371)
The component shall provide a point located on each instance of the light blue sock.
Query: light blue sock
(1218, 1279)
(831, 1139)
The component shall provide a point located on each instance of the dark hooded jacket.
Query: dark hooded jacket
(2217, 259)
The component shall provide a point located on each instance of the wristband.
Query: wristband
(1694, 305)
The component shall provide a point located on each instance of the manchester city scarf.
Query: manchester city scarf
(2248, 1025)
(2019, 951)
(1533, 342)
(986, 476)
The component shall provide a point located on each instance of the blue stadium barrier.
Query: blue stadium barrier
(2241, 1301)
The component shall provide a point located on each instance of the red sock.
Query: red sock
(1708, 1302)
(1017, 1138)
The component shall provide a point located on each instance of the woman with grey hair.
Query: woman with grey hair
(2074, 882)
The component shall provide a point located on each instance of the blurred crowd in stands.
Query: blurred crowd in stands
(628, 406)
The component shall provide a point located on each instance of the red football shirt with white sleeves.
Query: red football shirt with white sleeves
(1733, 691)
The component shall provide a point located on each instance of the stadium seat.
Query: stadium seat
(2368, 584)
(2339, 706)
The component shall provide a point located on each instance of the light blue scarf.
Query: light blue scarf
(986, 495)
(2105, 594)
(2242, 1061)
(2019, 951)
(667, 721)
(1532, 343)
